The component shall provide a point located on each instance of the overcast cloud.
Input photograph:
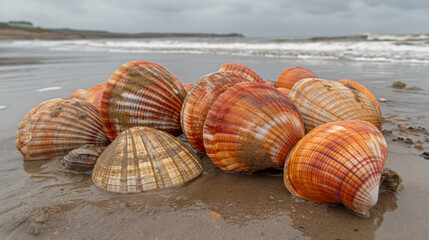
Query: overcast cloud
(251, 18)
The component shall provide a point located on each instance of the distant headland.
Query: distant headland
(26, 30)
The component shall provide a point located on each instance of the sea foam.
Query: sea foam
(48, 89)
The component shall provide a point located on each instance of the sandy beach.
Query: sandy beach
(42, 200)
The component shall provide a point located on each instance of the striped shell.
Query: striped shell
(285, 91)
(321, 101)
(352, 84)
(187, 86)
(142, 159)
(79, 94)
(271, 83)
(250, 127)
(142, 94)
(339, 162)
(290, 76)
(199, 100)
(57, 126)
(95, 93)
(243, 70)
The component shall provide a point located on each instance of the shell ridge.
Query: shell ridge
(149, 149)
(138, 179)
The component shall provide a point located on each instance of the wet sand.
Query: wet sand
(40, 199)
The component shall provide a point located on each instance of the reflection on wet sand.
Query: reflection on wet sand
(214, 200)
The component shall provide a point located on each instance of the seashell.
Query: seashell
(285, 91)
(82, 159)
(250, 127)
(352, 84)
(187, 86)
(95, 93)
(271, 83)
(338, 162)
(142, 94)
(142, 159)
(321, 101)
(290, 76)
(57, 126)
(199, 100)
(243, 70)
(79, 94)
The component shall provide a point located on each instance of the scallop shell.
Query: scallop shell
(57, 126)
(79, 94)
(142, 159)
(142, 94)
(243, 70)
(82, 159)
(199, 100)
(95, 94)
(250, 127)
(290, 76)
(271, 83)
(321, 101)
(352, 84)
(339, 162)
(187, 86)
(285, 91)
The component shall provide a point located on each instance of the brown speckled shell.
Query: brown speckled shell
(321, 101)
(352, 84)
(82, 159)
(57, 126)
(290, 76)
(339, 162)
(142, 159)
(142, 93)
(250, 127)
(243, 70)
(199, 100)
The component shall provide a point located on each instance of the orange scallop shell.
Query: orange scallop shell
(321, 101)
(55, 127)
(144, 94)
(362, 88)
(79, 94)
(250, 127)
(285, 91)
(187, 86)
(199, 100)
(338, 162)
(94, 94)
(292, 75)
(243, 70)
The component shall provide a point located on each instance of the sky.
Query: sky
(270, 18)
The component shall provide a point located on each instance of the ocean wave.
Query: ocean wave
(354, 48)
(49, 89)
(2, 107)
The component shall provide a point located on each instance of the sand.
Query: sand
(40, 199)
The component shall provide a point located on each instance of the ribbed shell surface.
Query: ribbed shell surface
(243, 70)
(199, 100)
(271, 83)
(94, 94)
(352, 84)
(187, 86)
(285, 91)
(143, 159)
(142, 93)
(321, 101)
(290, 76)
(339, 162)
(79, 94)
(55, 127)
(250, 127)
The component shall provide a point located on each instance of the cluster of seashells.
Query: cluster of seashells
(325, 135)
